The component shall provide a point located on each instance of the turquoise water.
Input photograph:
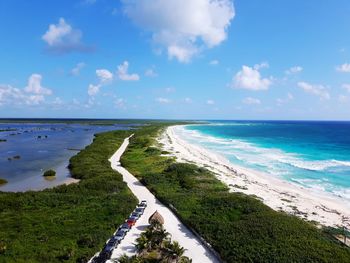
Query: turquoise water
(313, 154)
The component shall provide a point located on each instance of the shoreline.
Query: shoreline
(276, 193)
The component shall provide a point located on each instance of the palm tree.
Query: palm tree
(173, 252)
(126, 259)
(143, 242)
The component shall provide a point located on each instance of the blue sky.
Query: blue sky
(178, 59)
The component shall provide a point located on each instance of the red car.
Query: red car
(131, 221)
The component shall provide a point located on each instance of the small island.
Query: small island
(49, 174)
(3, 181)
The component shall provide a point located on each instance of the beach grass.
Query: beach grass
(69, 223)
(239, 227)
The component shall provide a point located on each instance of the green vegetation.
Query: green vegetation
(7, 130)
(49, 173)
(154, 245)
(69, 223)
(3, 181)
(239, 227)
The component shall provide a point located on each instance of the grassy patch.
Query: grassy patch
(69, 223)
(239, 227)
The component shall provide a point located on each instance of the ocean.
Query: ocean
(313, 154)
(42, 146)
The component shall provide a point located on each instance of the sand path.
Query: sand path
(179, 232)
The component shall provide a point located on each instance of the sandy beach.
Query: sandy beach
(280, 195)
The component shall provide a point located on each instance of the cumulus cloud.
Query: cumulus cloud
(93, 89)
(251, 101)
(251, 79)
(34, 86)
(32, 94)
(317, 90)
(123, 74)
(183, 28)
(104, 75)
(210, 102)
(163, 100)
(214, 62)
(63, 38)
(76, 70)
(294, 70)
(151, 73)
(345, 68)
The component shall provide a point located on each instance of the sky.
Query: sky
(175, 59)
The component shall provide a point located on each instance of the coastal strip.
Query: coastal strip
(179, 232)
(278, 194)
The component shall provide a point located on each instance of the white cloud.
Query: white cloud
(214, 62)
(346, 87)
(188, 100)
(63, 38)
(76, 70)
(119, 103)
(250, 78)
(343, 99)
(345, 68)
(251, 101)
(281, 101)
(32, 94)
(123, 74)
(261, 66)
(34, 86)
(182, 27)
(104, 75)
(163, 100)
(294, 70)
(317, 90)
(210, 102)
(57, 101)
(93, 89)
(151, 73)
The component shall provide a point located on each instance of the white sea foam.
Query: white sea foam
(272, 160)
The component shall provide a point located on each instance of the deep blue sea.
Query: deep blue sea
(313, 154)
(42, 146)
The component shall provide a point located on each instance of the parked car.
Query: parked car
(143, 203)
(131, 221)
(139, 210)
(134, 214)
(124, 227)
(108, 249)
(119, 236)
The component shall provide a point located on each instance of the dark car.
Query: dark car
(134, 214)
(119, 236)
(124, 227)
(143, 204)
(139, 210)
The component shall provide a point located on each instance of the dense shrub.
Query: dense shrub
(49, 173)
(68, 223)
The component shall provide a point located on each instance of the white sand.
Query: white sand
(179, 232)
(277, 193)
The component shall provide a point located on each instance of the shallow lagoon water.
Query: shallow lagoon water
(41, 147)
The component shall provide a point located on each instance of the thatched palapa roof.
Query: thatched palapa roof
(156, 217)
